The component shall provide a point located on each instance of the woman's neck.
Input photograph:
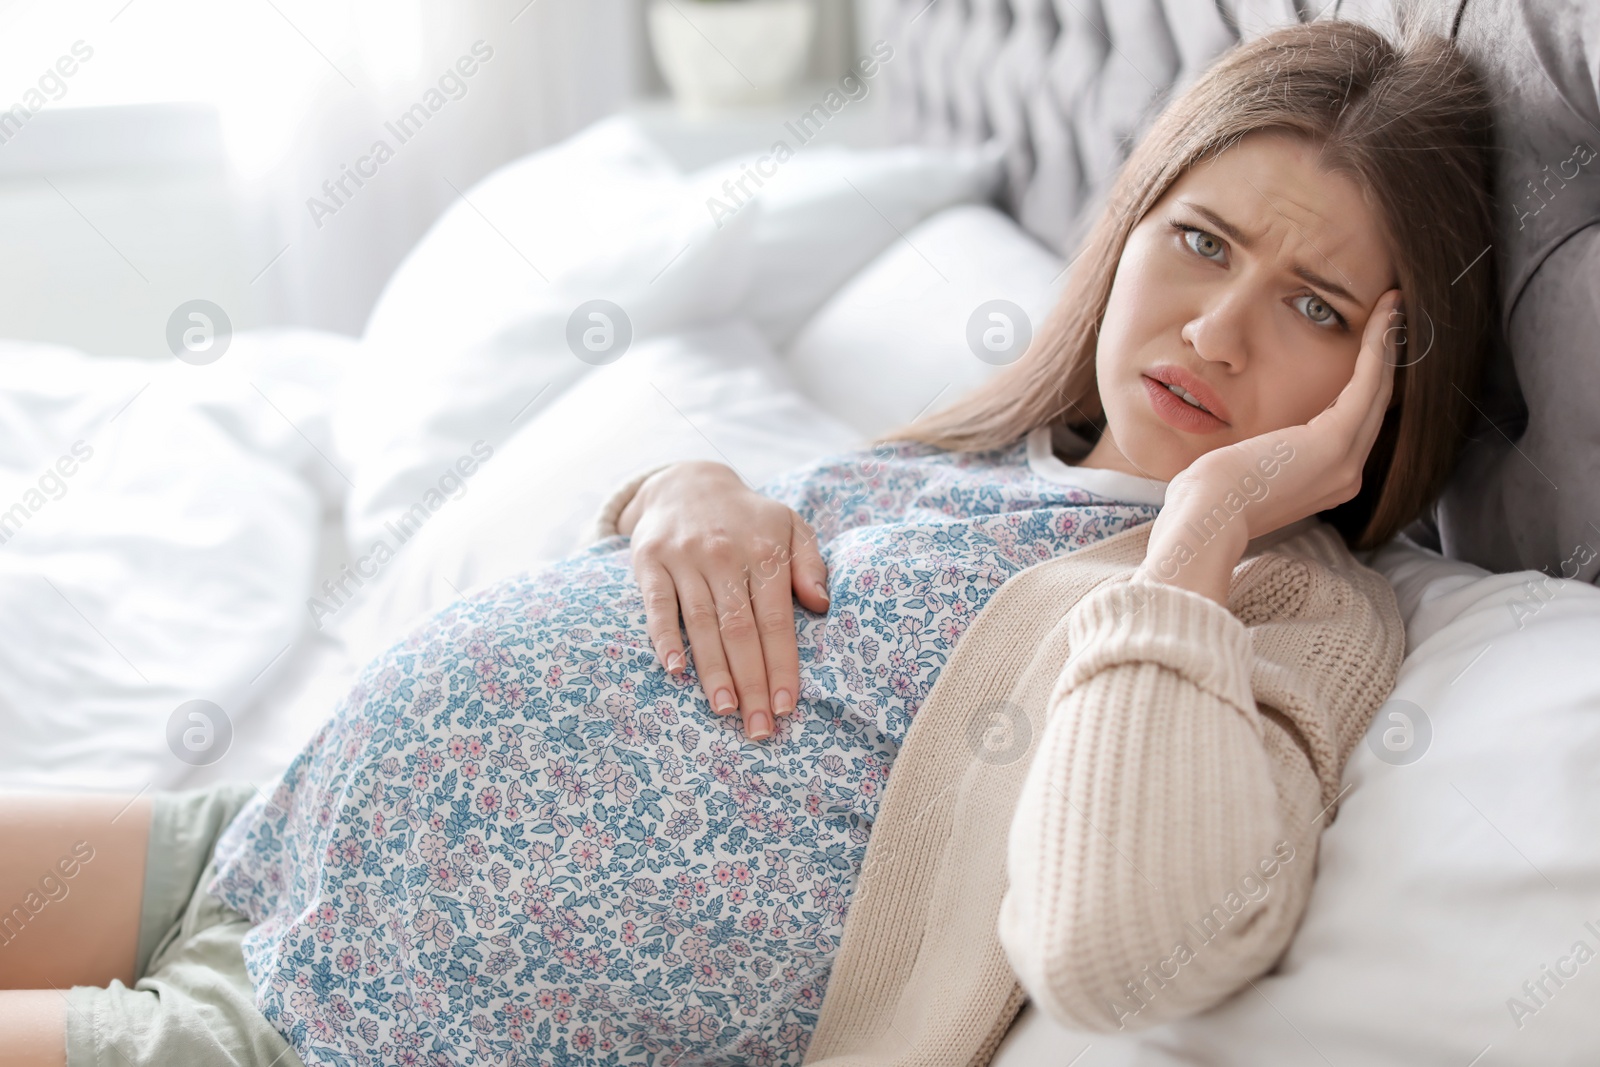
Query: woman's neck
(1105, 455)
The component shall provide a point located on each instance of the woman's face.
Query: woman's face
(1251, 281)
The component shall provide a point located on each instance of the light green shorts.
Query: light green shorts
(191, 1002)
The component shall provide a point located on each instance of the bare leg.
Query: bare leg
(33, 1028)
(71, 883)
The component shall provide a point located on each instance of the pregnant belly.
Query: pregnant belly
(519, 831)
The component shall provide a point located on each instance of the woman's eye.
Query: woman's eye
(1202, 243)
(1318, 310)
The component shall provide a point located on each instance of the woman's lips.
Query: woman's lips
(1178, 413)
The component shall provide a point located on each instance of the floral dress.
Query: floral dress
(518, 840)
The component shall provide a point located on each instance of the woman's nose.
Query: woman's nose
(1218, 330)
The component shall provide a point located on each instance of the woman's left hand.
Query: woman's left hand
(1268, 481)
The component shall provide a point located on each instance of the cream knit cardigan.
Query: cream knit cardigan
(1110, 802)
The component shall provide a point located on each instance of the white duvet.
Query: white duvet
(163, 525)
(198, 549)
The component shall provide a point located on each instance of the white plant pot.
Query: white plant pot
(717, 54)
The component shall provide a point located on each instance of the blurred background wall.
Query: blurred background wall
(158, 151)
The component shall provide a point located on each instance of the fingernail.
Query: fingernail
(782, 702)
(674, 662)
(760, 725)
(822, 591)
(723, 701)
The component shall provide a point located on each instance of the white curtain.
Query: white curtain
(328, 238)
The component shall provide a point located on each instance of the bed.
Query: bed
(197, 557)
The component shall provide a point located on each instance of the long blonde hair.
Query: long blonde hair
(1410, 123)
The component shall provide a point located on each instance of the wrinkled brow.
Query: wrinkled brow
(1247, 242)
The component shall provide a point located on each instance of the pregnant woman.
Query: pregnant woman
(1061, 710)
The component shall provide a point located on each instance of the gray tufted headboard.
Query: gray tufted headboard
(1067, 86)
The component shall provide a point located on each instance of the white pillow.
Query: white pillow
(1462, 863)
(467, 337)
(895, 342)
(826, 213)
(488, 258)
(715, 393)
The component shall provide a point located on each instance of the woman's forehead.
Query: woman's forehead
(1271, 198)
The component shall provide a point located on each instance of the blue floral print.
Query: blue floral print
(518, 840)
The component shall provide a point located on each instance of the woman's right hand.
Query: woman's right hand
(726, 559)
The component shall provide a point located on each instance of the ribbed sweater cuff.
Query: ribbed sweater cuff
(604, 523)
(1141, 620)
